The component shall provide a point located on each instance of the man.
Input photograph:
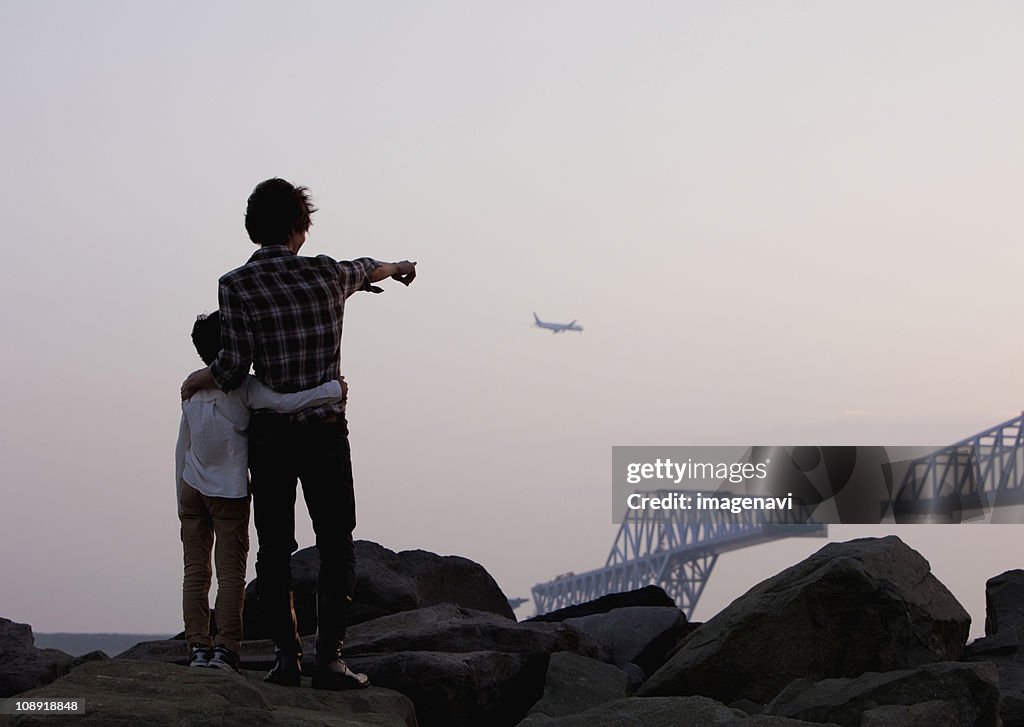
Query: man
(282, 314)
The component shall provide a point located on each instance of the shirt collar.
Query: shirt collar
(267, 252)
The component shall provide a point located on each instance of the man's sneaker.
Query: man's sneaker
(225, 658)
(200, 656)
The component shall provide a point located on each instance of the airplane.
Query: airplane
(556, 327)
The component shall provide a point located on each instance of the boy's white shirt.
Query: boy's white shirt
(212, 454)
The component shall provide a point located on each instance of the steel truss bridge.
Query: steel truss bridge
(677, 549)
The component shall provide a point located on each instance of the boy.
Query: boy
(211, 461)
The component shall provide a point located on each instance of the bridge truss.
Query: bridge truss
(677, 549)
(966, 480)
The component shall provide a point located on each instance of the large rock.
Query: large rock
(451, 628)
(386, 583)
(925, 714)
(468, 689)
(137, 693)
(646, 596)
(865, 605)
(968, 691)
(1003, 644)
(1004, 604)
(442, 628)
(654, 712)
(575, 684)
(448, 688)
(1007, 653)
(665, 712)
(459, 666)
(24, 667)
(630, 631)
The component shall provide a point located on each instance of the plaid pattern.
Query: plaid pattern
(282, 314)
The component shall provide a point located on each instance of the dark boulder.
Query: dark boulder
(864, 605)
(664, 712)
(24, 667)
(653, 712)
(464, 689)
(454, 629)
(442, 628)
(116, 692)
(575, 684)
(1003, 644)
(1004, 604)
(1005, 650)
(925, 714)
(459, 666)
(969, 693)
(631, 631)
(386, 583)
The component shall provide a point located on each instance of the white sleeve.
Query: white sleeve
(184, 444)
(259, 396)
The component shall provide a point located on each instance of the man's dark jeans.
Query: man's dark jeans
(282, 451)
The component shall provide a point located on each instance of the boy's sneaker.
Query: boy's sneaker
(200, 657)
(225, 658)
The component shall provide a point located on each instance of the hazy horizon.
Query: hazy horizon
(779, 223)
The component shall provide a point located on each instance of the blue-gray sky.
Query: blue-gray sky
(779, 222)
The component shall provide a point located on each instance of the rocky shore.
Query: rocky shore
(860, 634)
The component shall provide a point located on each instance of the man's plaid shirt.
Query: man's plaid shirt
(282, 314)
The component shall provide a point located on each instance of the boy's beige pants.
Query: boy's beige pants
(202, 518)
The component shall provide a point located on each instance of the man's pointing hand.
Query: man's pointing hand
(406, 272)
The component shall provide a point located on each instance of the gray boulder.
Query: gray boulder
(1011, 708)
(745, 705)
(652, 712)
(629, 631)
(451, 628)
(865, 605)
(926, 714)
(575, 684)
(448, 688)
(386, 583)
(1004, 603)
(139, 693)
(969, 691)
(458, 666)
(664, 712)
(460, 689)
(24, 667)
(443, 628)
(1007, 654)
(1003, 644)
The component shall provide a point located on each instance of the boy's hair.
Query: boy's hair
(275, 210)
(206, 336)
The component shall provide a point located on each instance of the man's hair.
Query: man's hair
(206, 336)
(275, 210)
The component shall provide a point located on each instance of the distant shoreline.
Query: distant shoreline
(78, 644)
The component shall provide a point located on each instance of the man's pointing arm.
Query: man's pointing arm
(404, 272)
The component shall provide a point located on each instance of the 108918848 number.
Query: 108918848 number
(34, 706)
(40, 706)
